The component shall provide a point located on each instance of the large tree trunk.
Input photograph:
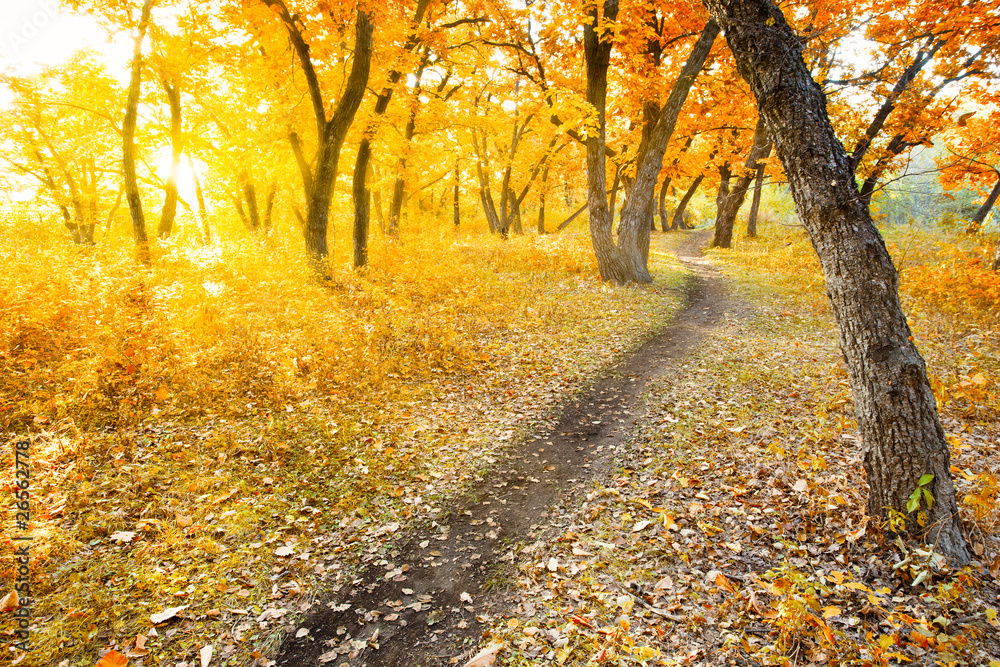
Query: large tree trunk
(128, 141)
(597, 54)
(897, 414)
(169, 211)
(678, 219)
(633, 230)
(730, 207)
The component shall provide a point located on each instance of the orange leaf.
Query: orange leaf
(10, 602)
(112, 659)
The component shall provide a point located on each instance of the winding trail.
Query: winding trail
(414, 608)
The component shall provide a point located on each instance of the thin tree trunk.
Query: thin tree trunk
(678, 221)
(541, 201)
(169, 211)
(455, 200)
(895, 407)
(249, 191)
(730, 208)
(128, 141)
(633, 231)
(725, 175)
(980, 217)
(272, 190)
(206, 231)
(662, 208)
(758, 186)
(361, 197)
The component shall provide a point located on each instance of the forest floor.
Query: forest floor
(305, 475)
(429, 599)
(700, 505)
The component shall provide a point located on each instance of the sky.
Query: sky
(38, 33)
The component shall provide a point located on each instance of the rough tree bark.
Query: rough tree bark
(633, 230)
(730, 207)
(896, 411)
(597, 54)
(128, 141)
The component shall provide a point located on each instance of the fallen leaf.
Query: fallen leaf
(166, 614)
(206, 655)
(162, 393)
(282, 552)
(801, 486)
(124, 536)
(112, 659)
(830, 612)
(9, 603)
(722, 582)
(301, 632)
(485, 657)
(553, 565)
(640, 525)
(139, 650)
(465, 597)
(182, 521)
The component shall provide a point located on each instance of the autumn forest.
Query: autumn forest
(499, 332)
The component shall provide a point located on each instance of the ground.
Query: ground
(697, 501)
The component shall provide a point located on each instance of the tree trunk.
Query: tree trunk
(726, 218)
(678, 220)
(662, 207)
(169, 211)
(272, 190)
(330, 132)
(597, 54)
(980, 217)
(725, 175)
(206, 231)
(516, 214)
(128, 141)
(362, 204)
(896, 411)
(633, 230)
(541, 201)
(249, 191)
(755, 205)
(455, 200)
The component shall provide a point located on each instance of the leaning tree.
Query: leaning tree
(904, 443)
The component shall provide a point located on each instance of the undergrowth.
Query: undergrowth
(221, 433)
(734, 532)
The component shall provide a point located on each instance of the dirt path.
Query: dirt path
(419, 605)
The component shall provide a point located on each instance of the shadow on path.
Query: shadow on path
(420, 606)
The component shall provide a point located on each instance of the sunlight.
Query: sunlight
(186, 189)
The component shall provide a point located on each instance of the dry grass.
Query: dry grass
(190, 420)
